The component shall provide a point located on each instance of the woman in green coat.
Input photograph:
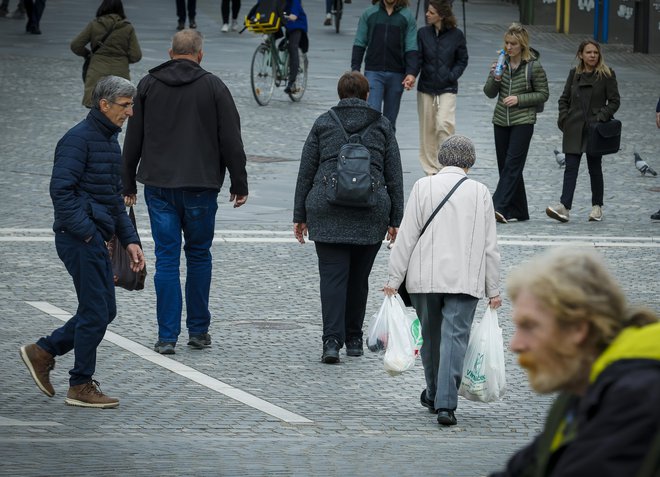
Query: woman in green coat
(590, 94)
(112, 55)
(520, 89)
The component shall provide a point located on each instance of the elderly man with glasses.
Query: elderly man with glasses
(86, 191)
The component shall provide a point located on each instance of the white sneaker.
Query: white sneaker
(558, 212)
(225, 28)
(596, 214)
(234, 25)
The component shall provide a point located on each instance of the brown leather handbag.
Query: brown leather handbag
(121, 263)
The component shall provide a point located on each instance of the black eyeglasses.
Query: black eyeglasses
(123, 105)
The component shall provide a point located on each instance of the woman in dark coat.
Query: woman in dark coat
(590, 94)
(120, 47)
(347, 239)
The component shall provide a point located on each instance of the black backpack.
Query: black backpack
(529, 67)
(352, 184)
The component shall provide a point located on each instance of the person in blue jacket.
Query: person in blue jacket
(296, 36)
(86, 191)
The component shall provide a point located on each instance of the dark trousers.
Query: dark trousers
(181, 9)
(595, 165)
(224, 8)
(511, 146)
(34, 9)
(293, 38)
(344, 270)
(89, 266)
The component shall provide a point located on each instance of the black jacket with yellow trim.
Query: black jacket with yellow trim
(617, 421)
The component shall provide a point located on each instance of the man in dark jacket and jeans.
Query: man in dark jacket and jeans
(576, 335)
(183, 136)
(387, 32)
(86, 191)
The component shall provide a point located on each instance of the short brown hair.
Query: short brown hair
(353, 84)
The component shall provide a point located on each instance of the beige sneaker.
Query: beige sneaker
(39, 362)
(596, 214)
(558, 212)
(89, 395)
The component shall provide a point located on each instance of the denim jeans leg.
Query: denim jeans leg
(392, 96)
(376, 89)
(166, 231)
(198, 228)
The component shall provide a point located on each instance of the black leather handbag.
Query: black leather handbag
(121, 263)
(604, 138)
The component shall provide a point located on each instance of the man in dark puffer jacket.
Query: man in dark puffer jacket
(86, 191)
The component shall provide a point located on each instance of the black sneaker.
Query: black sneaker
(180, 26)
(656, 216)
(427, 403)
(164, 347)
(354, 347)
(199, 341)
(290, 87)
(446, 417)
(330, 351)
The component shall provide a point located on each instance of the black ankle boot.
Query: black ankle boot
(330, 351)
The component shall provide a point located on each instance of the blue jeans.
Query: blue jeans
(89, 266)
(385, 90)
(193, 212)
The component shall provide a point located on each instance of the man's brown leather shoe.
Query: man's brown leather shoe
(39, 362)
(89, 395)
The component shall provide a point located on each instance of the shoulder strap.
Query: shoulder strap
(529, 69)
(337, 120)
(105, 37)
(437, 209)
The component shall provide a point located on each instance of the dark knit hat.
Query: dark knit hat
(457, 151)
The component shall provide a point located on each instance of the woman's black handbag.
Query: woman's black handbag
(402, 290)
(604, 138)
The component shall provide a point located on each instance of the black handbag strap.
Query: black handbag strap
(105, 37)
(437, 209)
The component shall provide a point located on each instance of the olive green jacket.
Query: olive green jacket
(113, 58)
(530, 94)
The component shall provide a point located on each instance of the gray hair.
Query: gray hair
(112, 87)
(457, 151)
(187, 42)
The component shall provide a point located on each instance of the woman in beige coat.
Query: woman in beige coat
(447, 269)
(119, 49)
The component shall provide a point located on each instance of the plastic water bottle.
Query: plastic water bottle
(499, 67)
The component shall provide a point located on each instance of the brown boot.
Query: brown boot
(89, 395)
(39, 362)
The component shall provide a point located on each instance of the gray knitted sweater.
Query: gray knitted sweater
(349, 225)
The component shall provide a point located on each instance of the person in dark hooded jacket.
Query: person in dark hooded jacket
(184, 135)
(347, 239)
(113, 55)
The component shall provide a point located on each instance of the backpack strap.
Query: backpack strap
(348, 138)
(529, 70)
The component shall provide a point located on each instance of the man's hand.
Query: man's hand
(238, 200)
(137, 257)
(408, 82)
(300, 231)
(130, 200)
(495, 302)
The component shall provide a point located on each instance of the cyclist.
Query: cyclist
(296, 37)
(328, 11)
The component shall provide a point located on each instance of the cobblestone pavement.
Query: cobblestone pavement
(265, 304)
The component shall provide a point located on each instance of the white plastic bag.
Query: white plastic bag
(377, 332)
(400, 352)
(483, 370)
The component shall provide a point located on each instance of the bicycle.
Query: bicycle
(270, 68)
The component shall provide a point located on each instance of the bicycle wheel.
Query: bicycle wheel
(301, 80)
(338, 11)
(262, 74)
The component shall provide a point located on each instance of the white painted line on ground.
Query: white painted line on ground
(183, 370)
(5, 421)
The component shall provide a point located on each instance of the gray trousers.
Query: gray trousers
(446, 322)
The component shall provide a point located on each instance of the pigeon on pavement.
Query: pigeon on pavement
(642, 166)
(560, 157)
